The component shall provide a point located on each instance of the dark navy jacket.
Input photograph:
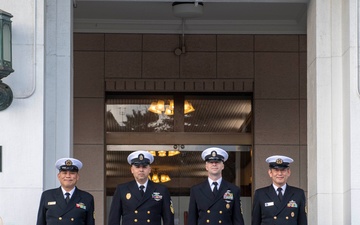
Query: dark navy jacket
(53, 209)
(129, 206)
(267, 208)
(224, 208)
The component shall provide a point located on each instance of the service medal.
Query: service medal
(292, 204)
(228, 195)
(156, 196)
(81, 205)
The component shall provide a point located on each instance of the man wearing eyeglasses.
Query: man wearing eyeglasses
(215, 201)
(141, 201)
(279, 203)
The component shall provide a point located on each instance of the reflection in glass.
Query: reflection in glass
(183, 170)
(132, 115)
(225, 114)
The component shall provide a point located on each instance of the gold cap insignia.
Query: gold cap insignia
(68, 162)
(213, 153)
(128, 196)
(141, 157)
(279, 161)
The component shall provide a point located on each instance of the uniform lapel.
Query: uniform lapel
(149, 190)
(148, 193)
(288, 193)
(223, 187)
(273, 196)
(60, 200)
(134, 190)
(76, 198)
(72, 203)
(133, 195)
(206, 190)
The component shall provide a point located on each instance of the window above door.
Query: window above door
(178, 113)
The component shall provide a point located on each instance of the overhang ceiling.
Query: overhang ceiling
(227, 17)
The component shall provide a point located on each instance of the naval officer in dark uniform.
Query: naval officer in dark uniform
(66, 204)
(279, 203)
(215, 201)
(141, 201)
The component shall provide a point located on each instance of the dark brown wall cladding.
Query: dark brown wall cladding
(271, 67)
(136, 62)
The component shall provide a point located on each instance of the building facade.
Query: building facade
(308, 80)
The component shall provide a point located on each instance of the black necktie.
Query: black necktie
(280, 195)
(215, 190)
(142, 190)
(67, 199)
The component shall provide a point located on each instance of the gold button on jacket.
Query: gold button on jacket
(129, 207)
(53, 208)
(224, 208)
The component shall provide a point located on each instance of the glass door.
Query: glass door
(176, 128)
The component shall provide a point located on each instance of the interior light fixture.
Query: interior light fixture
(157, 178)
(165, 153)
(169, 112)
(187, 10)
(170, 109)
(161, 153)
(188, 107)
(173, 153)
(153, 108)
(164, 178)
(160, 107)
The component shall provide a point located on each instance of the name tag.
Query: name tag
(267, 204)
(51, 203)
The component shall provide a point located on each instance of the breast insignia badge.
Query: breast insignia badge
(128, 196)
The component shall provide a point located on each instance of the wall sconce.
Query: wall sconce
(6, 95)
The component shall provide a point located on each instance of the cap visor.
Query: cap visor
(140, 163)
(69, 168)
(214, 160)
